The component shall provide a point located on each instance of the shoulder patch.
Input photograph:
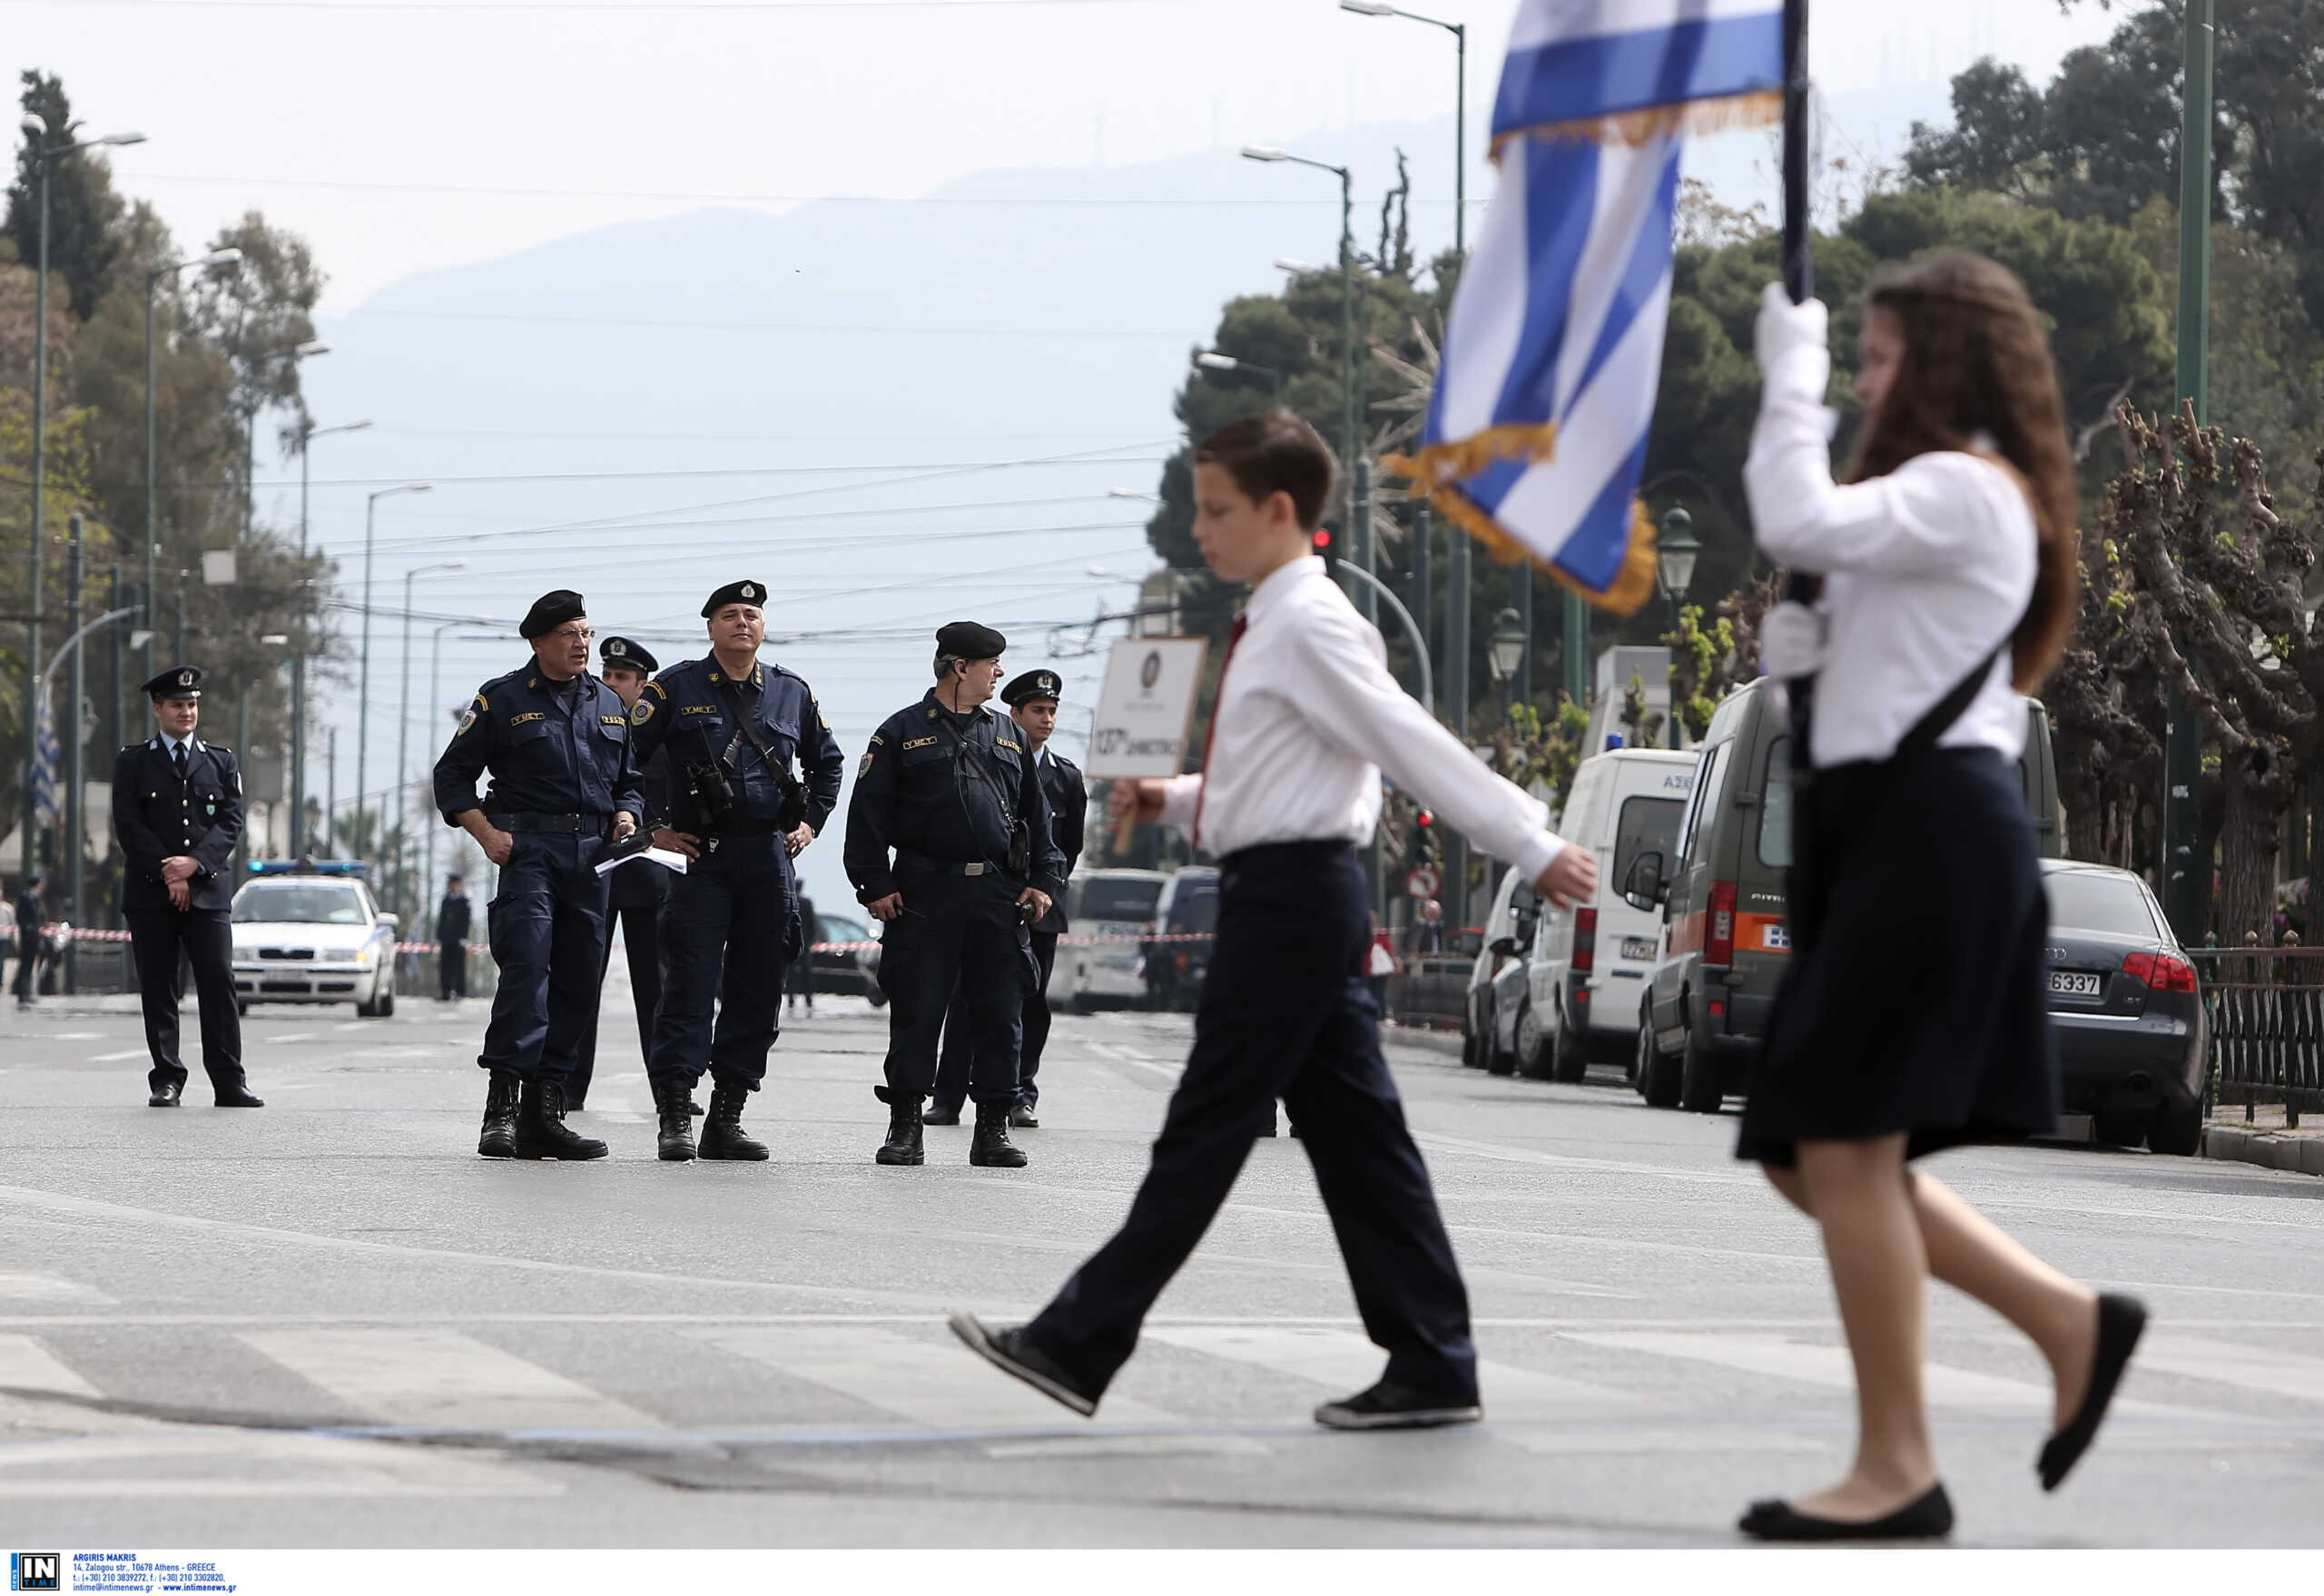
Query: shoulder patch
(877, 739)
(864, 769)
(655, 688)
(642, 711)
(468, 719)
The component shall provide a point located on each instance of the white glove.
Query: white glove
(1786, 329)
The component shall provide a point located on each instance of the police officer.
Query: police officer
(177, 812)
(730, 727)
(952, 790)
(31, 916)
(557, 742)
(1032, 701)
(635, 891)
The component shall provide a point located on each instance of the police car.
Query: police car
(311, 933)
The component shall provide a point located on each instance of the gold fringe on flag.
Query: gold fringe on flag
(1695, 119)
(1435, 474)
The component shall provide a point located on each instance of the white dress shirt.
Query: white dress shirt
(1308, 718)
(1926, 571)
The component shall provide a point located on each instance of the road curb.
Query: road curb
(2302, 1154)
(1435, 1041)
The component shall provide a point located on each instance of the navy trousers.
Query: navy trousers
(730, 930)
(158, 940)
(954, 1063)
(957, 935)
(1285, 1012)
(547, 925)
(641, 935)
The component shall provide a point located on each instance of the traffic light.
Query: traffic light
(1425, 843)
(1325, 546)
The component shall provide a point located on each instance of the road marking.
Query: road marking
(296, 1036)
(1073, 1446)
(1347, 1362)
(117, 1057)
(308, 1466)
(937, 1385)
(28, 1365)
(441, 1379)
(2264, 1369)
(78, 1036)
(47, 1288)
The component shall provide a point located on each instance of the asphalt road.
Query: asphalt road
(328, 1323)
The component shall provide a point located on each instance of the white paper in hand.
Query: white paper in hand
(661, 856)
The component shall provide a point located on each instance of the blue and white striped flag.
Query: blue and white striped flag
(1537, 432)
(46, 755)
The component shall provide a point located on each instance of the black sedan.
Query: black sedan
(2127, 1010)
(849, 974)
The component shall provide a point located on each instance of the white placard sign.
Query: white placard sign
(1146, 707)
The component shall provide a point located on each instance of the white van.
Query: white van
(1101, 962)
(1587, 971)
(1483, 1044)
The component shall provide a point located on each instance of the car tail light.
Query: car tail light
(2161, 972)
(1585, 941)
(1182, 961)
(1718, 944)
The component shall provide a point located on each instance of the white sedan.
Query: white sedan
(313, 939)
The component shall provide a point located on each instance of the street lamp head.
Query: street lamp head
(275, 640)
(1130, 493)
(1265, 152)
(1367, 7)
(34, 126)
(1678, 549)
(120, 139)
(229, 257)
(1212, 360)
(310, 349)
(1295, 267)
(1506, 651)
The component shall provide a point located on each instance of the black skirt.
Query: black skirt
(1917, 1001)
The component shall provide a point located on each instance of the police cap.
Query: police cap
(752, 592)
(628, 656)
(970, 640)
(1032, 685)
(177, 681)
(550, 611)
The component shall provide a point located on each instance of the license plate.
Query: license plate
(1638, 947)
(2074, 983)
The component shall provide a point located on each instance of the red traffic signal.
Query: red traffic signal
(1426, 817)
(1323, 540)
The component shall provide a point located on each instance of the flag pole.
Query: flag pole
(1798, 257)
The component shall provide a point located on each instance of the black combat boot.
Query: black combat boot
(541, 1132)
(499, 1137)
(672, 1100)
(721, 1132)
(990, 1148)
(902, 1146)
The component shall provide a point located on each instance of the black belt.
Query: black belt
(746, 828)
(972, 867)
(562, 824)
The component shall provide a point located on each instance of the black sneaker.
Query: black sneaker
(1390, 1406)
(1009, 1351)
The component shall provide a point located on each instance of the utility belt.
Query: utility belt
(579, 825)
(972, 867)
(726, 831)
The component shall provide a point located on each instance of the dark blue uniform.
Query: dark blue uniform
(738, 903)
(1069, 801)
(158, 815)
(943, 791)
(634, 894)
(559, 756)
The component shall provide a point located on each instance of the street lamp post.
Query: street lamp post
(1505, 651)
(153, 431)
(1460, 33)
(403, 719)
(305, 352)
(1674, 573)
(363, 668)
(436, 697)
(1212, 360)
(307, 436)
(45, 156)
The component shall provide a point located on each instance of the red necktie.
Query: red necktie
(1234, 638)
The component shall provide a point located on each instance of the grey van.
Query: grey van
(1724, 932)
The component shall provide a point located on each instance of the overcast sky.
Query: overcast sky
(401, 135)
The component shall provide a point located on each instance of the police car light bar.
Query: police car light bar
(355, 867)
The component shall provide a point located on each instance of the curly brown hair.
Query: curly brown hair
(1977, 360)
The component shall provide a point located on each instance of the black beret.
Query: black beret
(1032, 685)
(550, 611)
(631, 656)
(753, 593)
(177, 681)
(970, 640)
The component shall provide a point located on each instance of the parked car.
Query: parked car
(312, 934)
(1508, 928)
(1101, 963)
(2127, 1010)
(850, 974)
(1187, 907)
(1574, 997)
(1724, 935)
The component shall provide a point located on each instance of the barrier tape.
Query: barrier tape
(65, 933)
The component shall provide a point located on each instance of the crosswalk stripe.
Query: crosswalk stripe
(1347, 1362)
(15, 1287)
(2264, 1369)
(24, 1361)
(939, 1384)
(440, 1379)
(243, 1463)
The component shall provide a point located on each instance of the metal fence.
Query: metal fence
(2265, 1010)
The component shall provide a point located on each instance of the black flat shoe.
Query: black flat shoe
(1390, 1406)
(1928, 1518)
(1009, 1352)
(164, 1096)
(2120, 1321)
(238, 1096)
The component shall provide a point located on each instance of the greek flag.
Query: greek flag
(46, 755)
(1537, 431)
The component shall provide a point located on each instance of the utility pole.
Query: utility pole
(76, 827)
(2184, 877)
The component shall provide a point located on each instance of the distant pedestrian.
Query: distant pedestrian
(30, 940)
(1428, 936)
(1948, 570)
(1308, 717)
(453, 920)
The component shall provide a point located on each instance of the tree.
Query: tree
(257, 315)
(2107, 718)
(1711, 655)
(84, 212)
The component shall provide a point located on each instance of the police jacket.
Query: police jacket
(546, 757)
(452, 919)
(640, 886)
(691, 714)
(948, 788)
(31, 916)
(1069, 811)
(156, 816)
